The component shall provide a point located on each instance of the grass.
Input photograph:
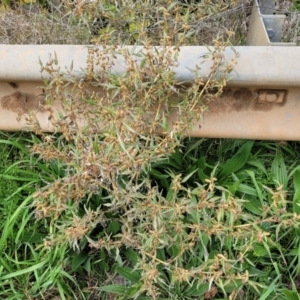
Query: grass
(256, 189)
(296, 5)
(28, 270)
(129, 214)
(112, 22)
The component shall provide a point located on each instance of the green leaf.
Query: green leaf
(160, 254)
(194, 146)
(165, 164)
(290, 295)
(232, 187)
(103, 262)
(258, 164)
(246, 189)
(233, 285)
(200, 166)
(78, 260)
(129, 274)
(196, 290)
(87, 265)
(253, 205)
(161, 177)
(278, 170)
(212, 254)
(32, 237)
(64, 288)
(173, 251)
(118, 289)
(237, 161)
(259, 250)
(132, 256)
(258, 189)
(296, 197)
(113, 227)
(132, 291)
(256, 272)
(26, 270)
(177, 156)
(186, 178)
(270, 289)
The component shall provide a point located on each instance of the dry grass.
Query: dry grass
(93, 22)
(96, 22)
(35, 26)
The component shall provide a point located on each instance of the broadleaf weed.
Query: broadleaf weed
(121, 188)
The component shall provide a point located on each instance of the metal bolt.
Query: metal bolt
(270, 32)
(271, 97)
(262, 96)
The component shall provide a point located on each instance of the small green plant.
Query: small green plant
(28, 271)
(218, 219)
(118, 203)
(296, 5)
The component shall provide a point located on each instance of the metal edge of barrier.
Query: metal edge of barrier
(261, 100)
(259, 66)
(265, 28)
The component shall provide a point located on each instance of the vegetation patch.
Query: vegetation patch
(118, 203)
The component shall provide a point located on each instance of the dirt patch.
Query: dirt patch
(238, 100)
(243, 99)
(19, 102)
(230, 100)
(263, 106)
(13, 85)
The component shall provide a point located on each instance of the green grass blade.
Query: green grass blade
(129, 274)
(278, 170)
(9, 223)
(270, 289)
(257, 187)
(296, 197)
(237, 161)
(118, 289)
(26, 270)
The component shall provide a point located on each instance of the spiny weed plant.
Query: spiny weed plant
(106, 139)
(26, 270)
(131, 199)
(167, 235)
(247, 172)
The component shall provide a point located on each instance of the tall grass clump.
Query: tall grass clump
(27, 270)
(120, 203)
(118, 22)
(159, 230)
(106, 140)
